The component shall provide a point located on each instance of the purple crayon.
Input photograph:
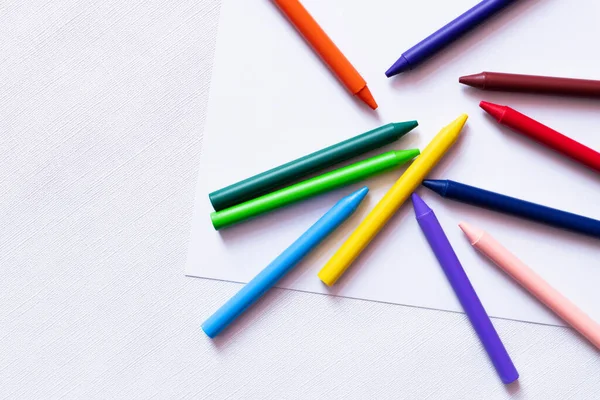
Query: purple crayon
(446, 35)
(464, 290)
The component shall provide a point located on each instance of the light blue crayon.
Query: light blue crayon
(269, 276)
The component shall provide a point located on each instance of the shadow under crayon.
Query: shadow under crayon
(513, 388)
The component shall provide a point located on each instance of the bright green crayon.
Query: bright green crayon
(312, 187)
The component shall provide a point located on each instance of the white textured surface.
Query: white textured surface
(102, 105)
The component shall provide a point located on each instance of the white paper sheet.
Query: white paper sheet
(272, 100)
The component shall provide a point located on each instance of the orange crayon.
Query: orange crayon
(326, 49)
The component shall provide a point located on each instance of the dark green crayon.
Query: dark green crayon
(286, 174)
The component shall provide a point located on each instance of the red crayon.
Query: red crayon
(532, 84)
(543, 134)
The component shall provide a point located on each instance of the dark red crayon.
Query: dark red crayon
(543, 134)
(532, 84)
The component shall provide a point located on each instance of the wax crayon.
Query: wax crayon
(311, 187)
(543, 134)
(550, 85)
(391, 202)
(441, 247)
(286, 261)
(286, 174)
(533, 283)
(326, 49)
(446, 35)
(513, 206)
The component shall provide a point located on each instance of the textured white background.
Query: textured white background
(102, 105)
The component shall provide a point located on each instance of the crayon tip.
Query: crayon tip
(356, 197)
(404, 155)
(404, 127)
(458, 123)
(399, 66)
(495, 110)
(476, 80)
(437, 185)
(365, 95)
(420, 207)
(472, 233)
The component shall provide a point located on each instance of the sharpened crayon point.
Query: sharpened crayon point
(405, 126)
(495, 110)
(356, 197)
(472, 233)
(405, 155)
(399, 66)
(421, 208)
(365, 95)
(476, 80)
(438, 186)
(458, 123)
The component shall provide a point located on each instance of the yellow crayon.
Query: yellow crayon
(391, 202)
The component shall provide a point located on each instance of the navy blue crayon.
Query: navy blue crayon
(446, 35)
(513, 206)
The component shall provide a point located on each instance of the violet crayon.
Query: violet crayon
(446, 35)
(464, 290)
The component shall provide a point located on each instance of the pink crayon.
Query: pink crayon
(531, 281)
